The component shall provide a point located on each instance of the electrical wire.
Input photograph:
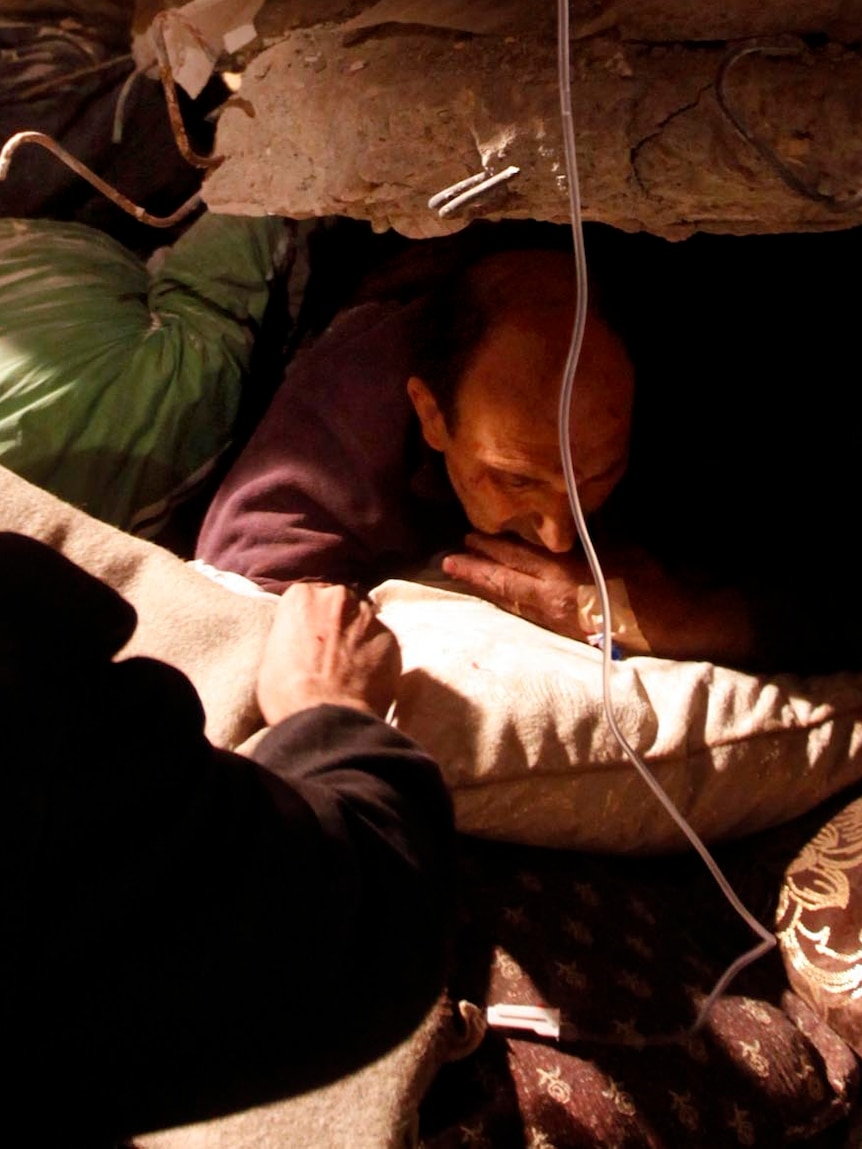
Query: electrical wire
(768, 940)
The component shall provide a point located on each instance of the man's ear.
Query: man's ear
(430, 417)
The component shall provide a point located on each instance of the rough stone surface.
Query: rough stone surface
(741, 117)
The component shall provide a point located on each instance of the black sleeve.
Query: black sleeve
(186, 931)
(377, 828)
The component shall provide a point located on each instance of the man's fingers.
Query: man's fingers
(499, 584)
(549, 599)
(327, 645)
(519, 556)
(310, 604)
(529, 560)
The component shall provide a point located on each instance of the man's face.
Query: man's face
(502, 451)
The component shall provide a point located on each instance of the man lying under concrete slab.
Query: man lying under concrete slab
(410, 429)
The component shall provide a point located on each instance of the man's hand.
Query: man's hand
(326, 646)
(678, 619)
(523, 580)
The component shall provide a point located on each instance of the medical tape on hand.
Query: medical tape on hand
(625, 631)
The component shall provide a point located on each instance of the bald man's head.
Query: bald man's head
(489, 396)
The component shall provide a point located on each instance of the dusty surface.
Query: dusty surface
(739, 119)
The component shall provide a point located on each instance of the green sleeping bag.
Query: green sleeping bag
(119, 389)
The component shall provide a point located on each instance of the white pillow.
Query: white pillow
(514, 715)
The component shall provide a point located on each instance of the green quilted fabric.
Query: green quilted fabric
(119, 389)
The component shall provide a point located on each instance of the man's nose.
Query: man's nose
(556, 529)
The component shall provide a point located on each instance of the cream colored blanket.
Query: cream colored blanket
(211, 634)
(215, 636)
(513, 714)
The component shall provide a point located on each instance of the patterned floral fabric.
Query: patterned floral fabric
(820, 923)
(627, 950)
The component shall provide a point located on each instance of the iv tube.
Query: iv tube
(767, 939)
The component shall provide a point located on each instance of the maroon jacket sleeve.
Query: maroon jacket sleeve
(322, 490)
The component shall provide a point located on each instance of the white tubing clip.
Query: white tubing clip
(451, 198)
(540, 1019)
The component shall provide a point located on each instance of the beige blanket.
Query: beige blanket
(513, 714)
(215, 636)
(211, 634)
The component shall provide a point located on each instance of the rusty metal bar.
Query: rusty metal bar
(141, 214)
(170, 88)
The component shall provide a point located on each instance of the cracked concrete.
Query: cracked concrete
(369, 122)
(350, 128)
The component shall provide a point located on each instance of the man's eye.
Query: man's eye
(514, 482)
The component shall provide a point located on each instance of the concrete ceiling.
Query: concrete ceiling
(745, 118)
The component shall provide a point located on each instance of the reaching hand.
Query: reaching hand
(326, 645)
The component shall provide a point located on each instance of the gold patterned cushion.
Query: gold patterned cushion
(627, 949)
(819, 923)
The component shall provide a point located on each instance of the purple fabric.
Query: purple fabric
(336, 483)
